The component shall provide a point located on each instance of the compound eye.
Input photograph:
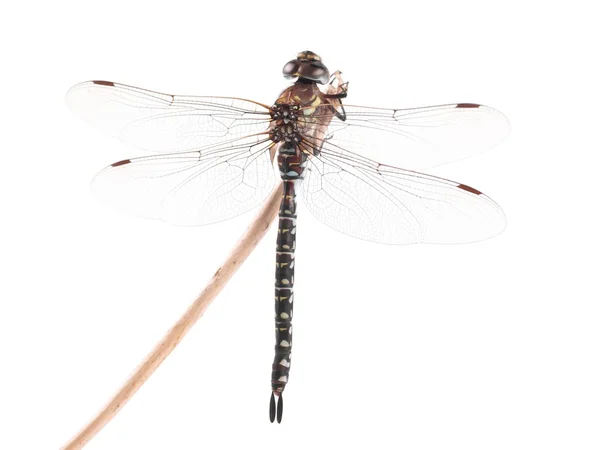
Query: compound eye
(315, 71)
(290, 70)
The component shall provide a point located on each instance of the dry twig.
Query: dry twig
(253, 236)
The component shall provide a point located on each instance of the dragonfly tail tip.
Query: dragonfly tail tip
(272, 408)
(280, 408)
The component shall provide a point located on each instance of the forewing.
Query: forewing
(191, 188)
(385, 204)
(418, 138)
(164, 122)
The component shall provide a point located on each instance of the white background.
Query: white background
(491, 345)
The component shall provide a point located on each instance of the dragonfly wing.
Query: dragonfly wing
(419, 138)
(385, 204)
(163, 122)
(193, 187)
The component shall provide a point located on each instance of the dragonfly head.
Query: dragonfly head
(307, 67)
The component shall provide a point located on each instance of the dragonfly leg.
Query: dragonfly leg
(342, 94)
(337, 90)
(336, 104)
(340, 114)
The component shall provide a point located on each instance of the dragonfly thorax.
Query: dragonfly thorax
(284, 127)
(287, 113)
(286, 136)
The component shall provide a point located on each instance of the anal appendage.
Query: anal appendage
(276, 410)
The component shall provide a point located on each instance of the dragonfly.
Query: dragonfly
(217, 157)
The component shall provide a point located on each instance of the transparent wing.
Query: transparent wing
(164, 122)
(417, 138)
(380, 203)
(194, 187)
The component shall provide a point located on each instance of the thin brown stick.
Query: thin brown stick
(253, 236)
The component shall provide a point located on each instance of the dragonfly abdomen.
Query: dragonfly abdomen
(284, 288)
(291, 163)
